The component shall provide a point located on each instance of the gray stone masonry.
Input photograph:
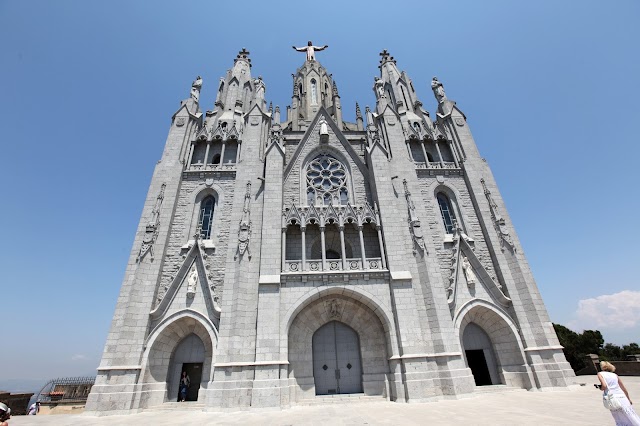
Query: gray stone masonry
(416, 301)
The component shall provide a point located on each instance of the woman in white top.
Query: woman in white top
(612, 385)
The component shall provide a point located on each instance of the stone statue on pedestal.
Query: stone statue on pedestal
(310, 49)
(438, 90)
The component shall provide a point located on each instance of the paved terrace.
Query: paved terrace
(581, 406)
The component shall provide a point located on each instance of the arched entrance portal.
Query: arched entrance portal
(336, 359)
(478, 351)
(492, 347)
(355, 329)
(183, 338)
(188, 357)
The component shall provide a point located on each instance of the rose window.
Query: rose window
(326, 181)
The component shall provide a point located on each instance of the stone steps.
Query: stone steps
(178, 406)
(496, 389)
(341, 399)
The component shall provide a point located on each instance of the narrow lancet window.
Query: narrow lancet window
(446, 210)
(206, 217)
(314, 92)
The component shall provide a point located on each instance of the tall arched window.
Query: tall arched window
(446, 210)
(314, 92)
(205, 220)
(326, 181)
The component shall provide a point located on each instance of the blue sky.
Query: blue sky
(87, 89)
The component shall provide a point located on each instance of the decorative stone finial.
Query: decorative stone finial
(243, 55)
(386, 57)
(358, 112)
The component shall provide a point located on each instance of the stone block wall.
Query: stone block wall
(185, 224)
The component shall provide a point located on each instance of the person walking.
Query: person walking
(185, 382)
(610, 384)
(33, 409)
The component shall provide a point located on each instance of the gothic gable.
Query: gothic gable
(333, 144)
(191, 287)
(469, 280)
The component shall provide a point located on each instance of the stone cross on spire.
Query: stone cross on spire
(310, 49)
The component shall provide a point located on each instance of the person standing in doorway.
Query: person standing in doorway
(185, 382)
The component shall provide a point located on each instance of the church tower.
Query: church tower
(282, 259)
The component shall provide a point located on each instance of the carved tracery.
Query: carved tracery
(326, 181)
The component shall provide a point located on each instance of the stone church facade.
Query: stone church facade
(283, 257)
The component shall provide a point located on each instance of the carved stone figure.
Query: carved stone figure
(333, 308)
(151, 230)
(310, 49)
(414, 222)
(244, 230)
(438, 90)
(195, 88)
(260, 88)
(468, 272)
(378, 85)
(192, 281)
(324, 130)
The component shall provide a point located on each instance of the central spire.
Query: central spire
(313, 88)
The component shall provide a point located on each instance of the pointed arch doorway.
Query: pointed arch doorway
(337, 366)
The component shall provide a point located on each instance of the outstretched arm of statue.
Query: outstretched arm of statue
(300, 49)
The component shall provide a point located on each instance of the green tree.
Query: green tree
(611, 352)
(578, 345)
(570, 340)
(630, 349)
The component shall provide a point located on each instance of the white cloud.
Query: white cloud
(78, 357)
(608, 312)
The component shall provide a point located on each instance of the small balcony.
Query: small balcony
(200, 167)
(435, 165)
(333, 265)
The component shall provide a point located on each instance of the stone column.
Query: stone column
(238, 152)
(284, 249)
(408, 144)
(342, 250)
(384, 262)
(303, 231)
(322, 247)
(206, 155)
(424, 152)
(439, 154)
(453, 152)
(192, 148)
(224, 144)
(362, 253)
